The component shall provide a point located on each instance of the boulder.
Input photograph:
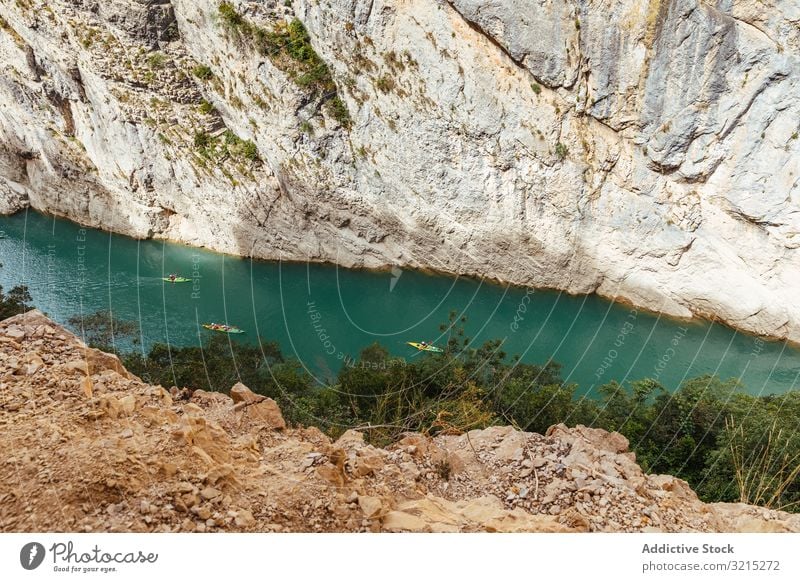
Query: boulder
(79, 366)
(349, 439)
(127, 404)
(244, 518)
(210, 493)
(332, 474)
(98, 361)
(367, 462)
(371, 506)
(398, 521)
(415, 444)
(266, 413)
(14, 332)
(241, 393)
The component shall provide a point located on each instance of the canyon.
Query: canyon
(644, 151)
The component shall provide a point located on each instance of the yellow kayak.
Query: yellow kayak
(425, 347)
(223, 328)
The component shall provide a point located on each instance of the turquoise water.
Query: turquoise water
(324, 315)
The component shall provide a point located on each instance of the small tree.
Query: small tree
(101, 330)
(15, 302)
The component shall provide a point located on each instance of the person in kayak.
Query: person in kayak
(172, 277)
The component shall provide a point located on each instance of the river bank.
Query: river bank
(324, 315)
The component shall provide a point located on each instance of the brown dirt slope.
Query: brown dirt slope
(86, 446)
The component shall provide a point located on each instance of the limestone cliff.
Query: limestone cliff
(643, 150)
(90, 447)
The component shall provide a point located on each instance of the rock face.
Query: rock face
(126, 456)
(642, 150)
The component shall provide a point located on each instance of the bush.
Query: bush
(203, 72)
(211, 366)
(250, 151)
(205, 108)
(299, 45)
(288, 47)
(338, 110)
(757, 457)
(101, 329)
(230, 17)
(157, 60)
(561, 151)
(202, 139)
(231, 138)
(15, 302)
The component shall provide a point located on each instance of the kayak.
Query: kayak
(176, 280)
(425, 348)
(231, 329)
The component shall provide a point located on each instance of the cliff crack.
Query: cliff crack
(477, 28)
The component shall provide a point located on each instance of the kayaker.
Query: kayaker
(172, 277)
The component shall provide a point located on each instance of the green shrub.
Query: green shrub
(338, 110)
(231, 138)
(15, 302)
(561, 151)
(203, 72)
(230, 17)
(536, 88)
(103, 330)
(202, 139)
(288, 46)
(299, 45)
(250, 151)
(205, 107)
(157, 60)
(316, 77)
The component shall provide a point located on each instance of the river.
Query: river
(323, 315)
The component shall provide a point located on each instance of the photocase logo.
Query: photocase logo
(396, 273)
(32, 555)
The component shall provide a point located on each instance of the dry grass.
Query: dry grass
(763, 476)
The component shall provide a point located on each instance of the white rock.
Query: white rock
(664, 174)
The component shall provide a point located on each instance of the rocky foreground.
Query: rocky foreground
(87, 446)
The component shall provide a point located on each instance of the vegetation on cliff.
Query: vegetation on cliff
(288, 46)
